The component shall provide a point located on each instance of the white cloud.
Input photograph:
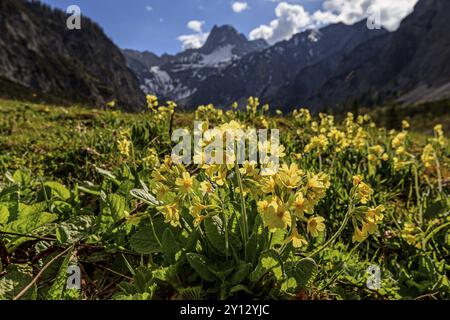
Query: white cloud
(195, 25)
(238, 7)
(149, 8)
(292, 18)
(392, 12)
(195, 40)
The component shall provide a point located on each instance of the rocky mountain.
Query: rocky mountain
(40, 55)
(265, 73)
(178, 77)
(408, 66)
(336, 65)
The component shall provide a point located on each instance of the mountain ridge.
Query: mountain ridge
(40, 55)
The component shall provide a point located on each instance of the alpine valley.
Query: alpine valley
(336, 65)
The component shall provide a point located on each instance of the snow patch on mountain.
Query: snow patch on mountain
(218, 57)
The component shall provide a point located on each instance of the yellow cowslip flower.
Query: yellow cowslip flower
(290, 176)
(319, 143)
(359, 235)
(252, 104)
(124, 147)
(262, 207)
(300, 205)
(248, 168)
(185, 183)
(317, 186)
(161, 190)
(206, 187)
(196, 209)
(375, 215)
(268, 185)
(399, 164)
(152, 102)
(410, 239)
(221, 176)
(315, 225)
(370, 228)
(297, 240)
(152, 159)
(111, 104)
(398, 140)
(363, 189)
(275, 214)
(428, 156)
(171, 214)
(405, 125)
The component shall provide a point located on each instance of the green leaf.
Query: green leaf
(242, 271)
(304, 273)
(144, 195)
(116, 205)
(16, 279)
(170, 246)
(58, 190)
(22, 177)
(56, 291)
(215, 233)
(144, 241)
(269, 262)
(4, 215)
(74, 229)
(241, 287)
(200, 264)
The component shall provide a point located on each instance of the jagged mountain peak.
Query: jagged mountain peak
(226, 35)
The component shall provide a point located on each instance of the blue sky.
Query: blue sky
(131, 25)
(156, 25)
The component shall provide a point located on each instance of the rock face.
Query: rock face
(39, 54)
(407, 66)
(180, 76)
(266, 73)
(336, 65)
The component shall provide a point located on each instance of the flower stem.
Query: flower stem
(243, 210)
(336, 235)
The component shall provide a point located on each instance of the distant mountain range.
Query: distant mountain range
(180, 76)
(39, 56)
(336, 65)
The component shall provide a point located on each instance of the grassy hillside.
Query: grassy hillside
(97, 189)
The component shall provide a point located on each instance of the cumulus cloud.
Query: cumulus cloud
(292, 18)
(195, 40)
(238, 7)
(195, 25)
(391, 12)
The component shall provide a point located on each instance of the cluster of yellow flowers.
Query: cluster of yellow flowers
(124, 143)
(152, 158)
(367, 218)
(158, 111)
(434, 148)
(284, 197)
(410, 233)
(326, 136)
(377, 154)
(290, 196)
(209, 113)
